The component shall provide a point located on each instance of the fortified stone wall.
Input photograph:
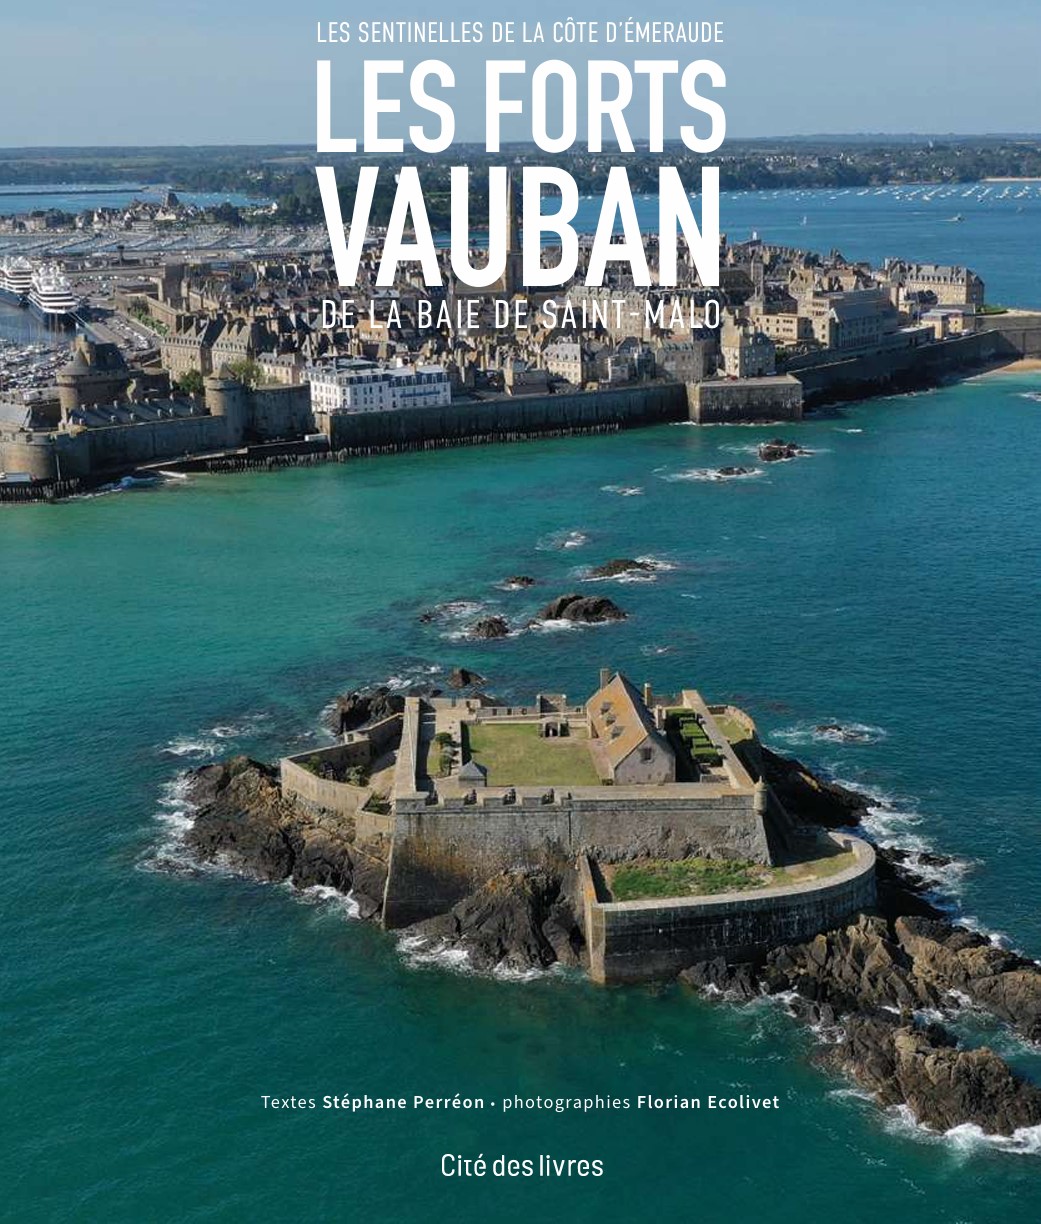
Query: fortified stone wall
(635, 941)
(115, 447)
(641, 404)
(338, 797)
(444, 851)
(31, 453)
(1021, 332)
(357, 749)
(903, 369)
(236, 415)
(720, 401)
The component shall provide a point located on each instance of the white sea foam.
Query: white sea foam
(457, 609)
(1031, 395)
(557, 626)
(420, 952)
(848, 431)
(623, 490)
(832, 731)
(175, 815)
(573, 538)
(192, 747)
(331, 898)
(967, 1139)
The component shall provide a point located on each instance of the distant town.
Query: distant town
(178, 337)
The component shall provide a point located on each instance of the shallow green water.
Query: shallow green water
(890, 580)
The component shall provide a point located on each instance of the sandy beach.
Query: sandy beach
(1023, 365)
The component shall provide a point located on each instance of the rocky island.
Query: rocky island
(638, 836)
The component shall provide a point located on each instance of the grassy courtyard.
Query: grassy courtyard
(514, 754)
(696, 877)
(683, 878)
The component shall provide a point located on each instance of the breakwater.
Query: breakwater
(42, 491)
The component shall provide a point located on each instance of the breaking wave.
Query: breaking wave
(330, 898)
(205, 745)
(623, 490)
(967, 1139)
(419, 952)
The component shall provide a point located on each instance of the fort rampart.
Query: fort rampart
(444, 850)
(631, 941)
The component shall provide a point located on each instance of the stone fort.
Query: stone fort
(455, 790)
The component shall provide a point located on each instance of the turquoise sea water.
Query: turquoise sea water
(890, 580)
(75, 197)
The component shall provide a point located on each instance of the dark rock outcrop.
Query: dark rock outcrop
(777, 449)
(619, 566)
(358, 709)
(955, 958)
(583, 609)
(812, 799)
(732, 470)
(944, 1086)
(490, 627)
(718, 977)
(870, 980)
(852, 968)
(518, 582)
(462, 677)
(517, 920)
(244, 822)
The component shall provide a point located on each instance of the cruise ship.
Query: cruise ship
(16, 276)
(51, 298)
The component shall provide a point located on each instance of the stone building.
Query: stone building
(950, 285)
(746, 353)
(624, 740)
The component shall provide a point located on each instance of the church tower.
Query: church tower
(513, 274)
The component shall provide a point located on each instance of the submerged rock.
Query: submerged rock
(518, 582)
(583, 609)
(621, 565)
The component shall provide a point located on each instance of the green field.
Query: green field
(514, 754)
